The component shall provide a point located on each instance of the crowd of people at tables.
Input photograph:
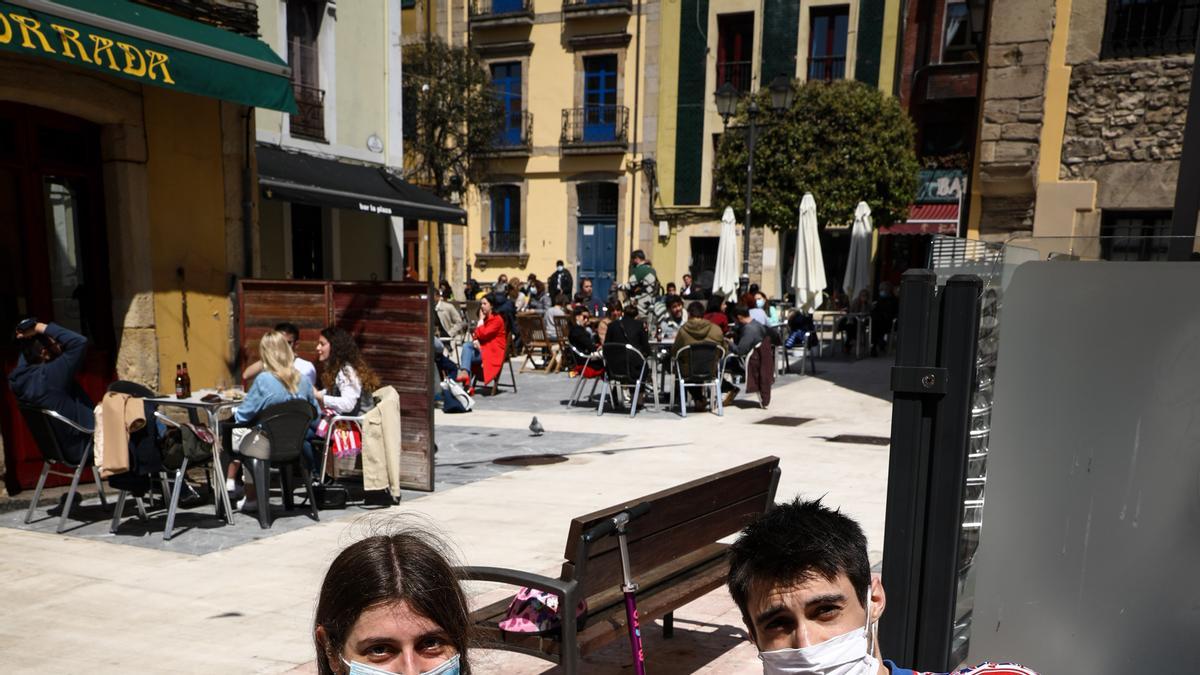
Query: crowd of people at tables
(642, 313)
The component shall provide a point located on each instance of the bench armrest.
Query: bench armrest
(517, 578)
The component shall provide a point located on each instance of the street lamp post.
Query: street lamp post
(727, 100)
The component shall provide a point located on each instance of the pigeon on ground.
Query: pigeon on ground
(536, 427)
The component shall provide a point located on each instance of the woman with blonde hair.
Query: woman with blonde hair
(279, 382)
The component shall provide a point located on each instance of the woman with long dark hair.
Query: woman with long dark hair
(344, 373)
(391, 603)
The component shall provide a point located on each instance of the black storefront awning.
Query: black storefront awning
(298, 177)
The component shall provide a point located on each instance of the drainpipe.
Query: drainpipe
(248, 203)
(637, 90)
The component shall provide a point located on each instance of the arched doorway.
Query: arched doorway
(52, 224)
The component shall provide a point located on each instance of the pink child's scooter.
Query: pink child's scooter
(618, 524)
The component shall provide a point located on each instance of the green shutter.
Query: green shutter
(870, 41)
(781, 21)
(689, 116)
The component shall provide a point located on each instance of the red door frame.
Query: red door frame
(48, 144)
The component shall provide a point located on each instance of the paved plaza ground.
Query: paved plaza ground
(240, 599)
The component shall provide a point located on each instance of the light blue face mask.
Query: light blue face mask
(448, 667)
(760, 303)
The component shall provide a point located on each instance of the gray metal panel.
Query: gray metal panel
(1091, 535)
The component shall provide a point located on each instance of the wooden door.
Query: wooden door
(52, 221)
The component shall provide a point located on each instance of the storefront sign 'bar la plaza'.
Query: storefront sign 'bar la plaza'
(149, 46)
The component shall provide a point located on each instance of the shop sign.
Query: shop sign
(941, 186)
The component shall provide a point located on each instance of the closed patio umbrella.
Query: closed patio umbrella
(808, 272)
(858, 266)
(725, 279)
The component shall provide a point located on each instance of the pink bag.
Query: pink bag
(535, 611)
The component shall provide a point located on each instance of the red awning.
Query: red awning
(927, 219)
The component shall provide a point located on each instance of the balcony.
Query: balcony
(595, 129)
(495, 13)
(737, 73)
(309, 121)
(504, 242)
(579, 9)
(826, 68)
(515, 136)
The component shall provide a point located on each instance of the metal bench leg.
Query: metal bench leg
(37, 493)
(118, 511)
(62, 520)
(668, 625)
(173, 505)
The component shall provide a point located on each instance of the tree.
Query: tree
(452, 117)
(842, 141)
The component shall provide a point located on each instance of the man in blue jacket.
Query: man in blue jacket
(50, 355)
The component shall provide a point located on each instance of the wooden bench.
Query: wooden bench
(675, 556)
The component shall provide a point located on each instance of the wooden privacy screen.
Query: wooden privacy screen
(390, 321)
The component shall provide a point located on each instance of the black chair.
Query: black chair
(52, 432)
(624, 365)
(285, 426)
(699, 366)
(583, 361)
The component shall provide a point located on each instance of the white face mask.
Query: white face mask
(559, 268)
(448, 667)
(851, 653)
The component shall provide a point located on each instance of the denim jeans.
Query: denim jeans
(470, 357)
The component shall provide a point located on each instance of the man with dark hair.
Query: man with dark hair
(801, 578)
(292, 334)
(643, 282)
(560, 281)
(630, 330)
(697, 329)
(50, 355)
(670, 320)
(749, 333)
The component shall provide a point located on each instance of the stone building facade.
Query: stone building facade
(1082, 134)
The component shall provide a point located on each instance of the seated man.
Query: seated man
(697, 329)
(50, 355)
(630, 330)
(749, 334)
(306, 367)
(670, 321)
(802, 580)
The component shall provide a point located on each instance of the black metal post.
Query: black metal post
(912, 429)
(958, 344)
(752, 113)
(1187, 186)
(931, 381)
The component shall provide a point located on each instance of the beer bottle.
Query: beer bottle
(187, 382)
(179, 381)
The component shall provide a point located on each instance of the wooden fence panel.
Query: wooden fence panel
(392, 324)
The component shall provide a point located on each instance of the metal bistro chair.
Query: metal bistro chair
(624, 365)
(170, 495)
(42, 424)
(703, 368)
(334, 422)
(285, 425)
(584, 361)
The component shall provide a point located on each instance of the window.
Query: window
(1135, 235)
(308, 242)
(735, 47)
(827, 43)
(1150, 28)
(600, 98)
(506, 219)
(303, 29)
(506, 79)
(963, 30)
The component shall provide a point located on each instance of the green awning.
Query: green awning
(123, 39)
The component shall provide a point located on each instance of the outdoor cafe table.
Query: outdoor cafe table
(212, 411)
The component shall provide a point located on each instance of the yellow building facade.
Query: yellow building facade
(567, 179)
(706, 43)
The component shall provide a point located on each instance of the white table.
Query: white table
(212, 410)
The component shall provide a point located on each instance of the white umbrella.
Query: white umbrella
(808, 272)
(725, 280)
(858, 266)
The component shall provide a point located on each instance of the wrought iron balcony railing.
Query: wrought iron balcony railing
(504, 242)
(597, 6)
(737, 73)
(826, 68)
(595, 125)
(309, 121)
(516, 130)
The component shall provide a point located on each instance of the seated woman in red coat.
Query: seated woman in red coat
(489, 347)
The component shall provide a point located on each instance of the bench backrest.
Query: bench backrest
(681, 520)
